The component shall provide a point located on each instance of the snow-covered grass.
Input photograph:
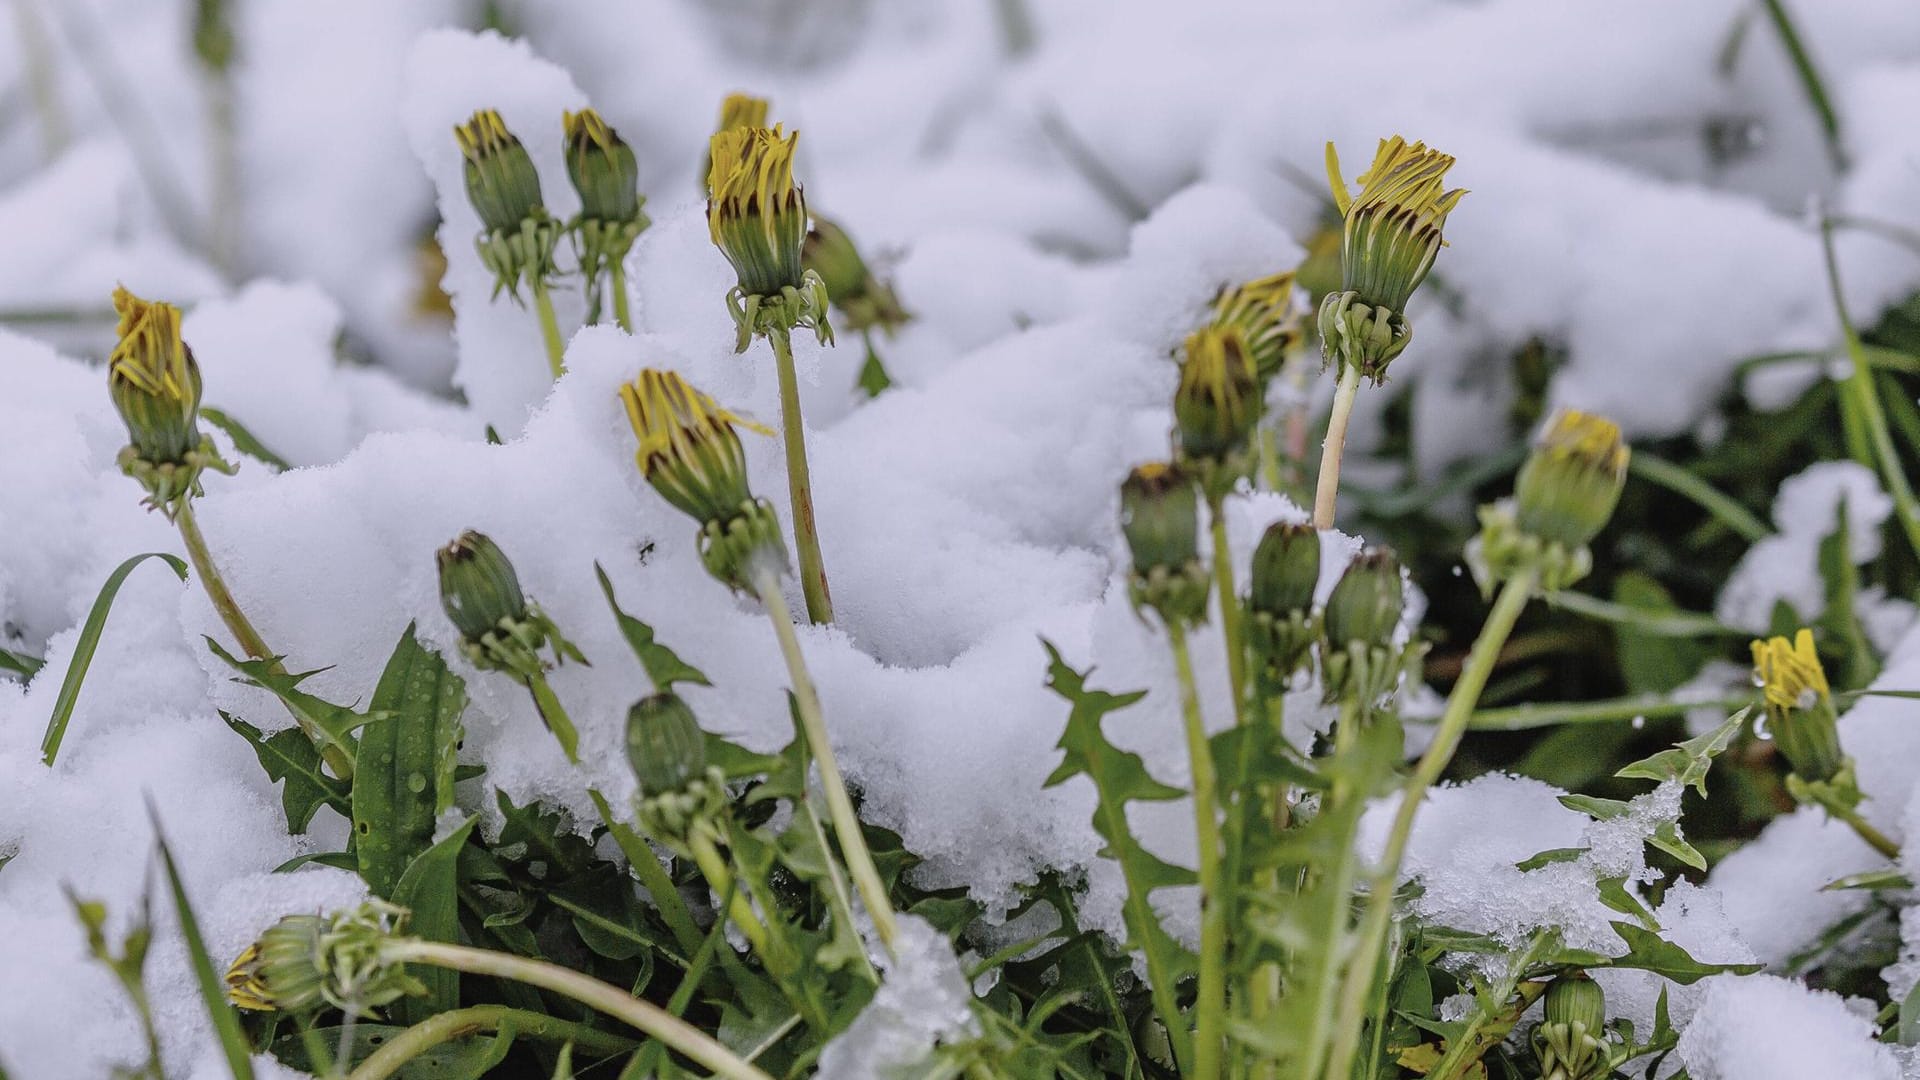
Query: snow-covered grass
(1056, 191)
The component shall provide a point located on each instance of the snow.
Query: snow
(1767, 1028)
(967, 512)
(922, 1003)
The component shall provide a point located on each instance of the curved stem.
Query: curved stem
(846, 824)
(653, 877)
(739, 909)
(641, 1014)
(243, 632)
(1453, 724)
(460, 1023)
(554, 715)
(806, 536)
(1861, 403)
(1229, 605)
(549, 329)
(1326, 494)
(1211, 1005)
(617, 284)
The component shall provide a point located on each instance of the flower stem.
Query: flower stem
(1211, 1006)
(806, 536)
(653, 877)
(617, 285)
(555, 716)
(1328, 490)
(243, 632)
(1446, 739)
(1229, 604)
(1270, 458)
(460, 1023)
(739, 908)
(549, 329)
(641, 1014)
(1874, 838)
(846, 825)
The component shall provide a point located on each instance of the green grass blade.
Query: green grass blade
(89, 641)
(21, 664)
(1810, 81)
(1722, 506)
(226, 1023)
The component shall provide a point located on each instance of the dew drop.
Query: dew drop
(1639, 722)
(416, 783)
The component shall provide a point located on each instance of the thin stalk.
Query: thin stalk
(1810, 81)
(1611, 710)
(1324, 980)
(1229, 605)
(1874, 838)
(806, 535)
(460, 1023)
(1211, 1006)
(555, 716)
(242, 630)
(550, 329)
(36, 56)
(617, 284)
(1270, 458)
(1860, 400)
(1453, 724)
(1327, 493)
(846, 824)
(223, 209)
(642, 1015)
(739, 908)
(1681, 482)
(653, 877)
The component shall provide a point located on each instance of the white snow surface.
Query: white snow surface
(967, 512)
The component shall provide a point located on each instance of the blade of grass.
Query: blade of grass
(21, 664)
(1548, 714)
(1723, 507)
(1810, 81)
(226, 1023)
(1672, 624)
(89, 641)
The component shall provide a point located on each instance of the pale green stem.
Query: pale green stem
(1270, 458)
(36, 56)
(445, 1027)
(550, 329)
(653, 877)
(1323, 982)
(846, 824)
(1652, 707)
(1858, 391)
(243, 632)
(1874, 838)
(1229, 605)
(678, 1035)
(618, 286)
(223, 210)
(739, 908)
(806, 534)
(554, 715)
(1446, 739)
(1327, 493)
(1211, 1005)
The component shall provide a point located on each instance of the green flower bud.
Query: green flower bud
(478, 587)
(1365, 605)
(1800, 711)
(1217, 403)
(154, 381)
(1263, 311)
(1571, 482)
(1160, 515)
(1286, 569)
(307, 962)
(1574, 998)
(602, 168)
(863, 299)
(665, 745)
(501, 180)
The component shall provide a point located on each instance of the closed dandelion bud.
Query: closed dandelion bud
(1576, 999)
(153, 380)
(690, 454)
(602, 168)
(665, 745)
(501, 180)
(1286, 569)
(1271, 325)
(1365, 605)
(1800, 711)
(862, 298)
(307, 962)
(1160, 516)
(1571, 482)
(1217, 404)
(478, 587)
(756, 214)
(1391, 234)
